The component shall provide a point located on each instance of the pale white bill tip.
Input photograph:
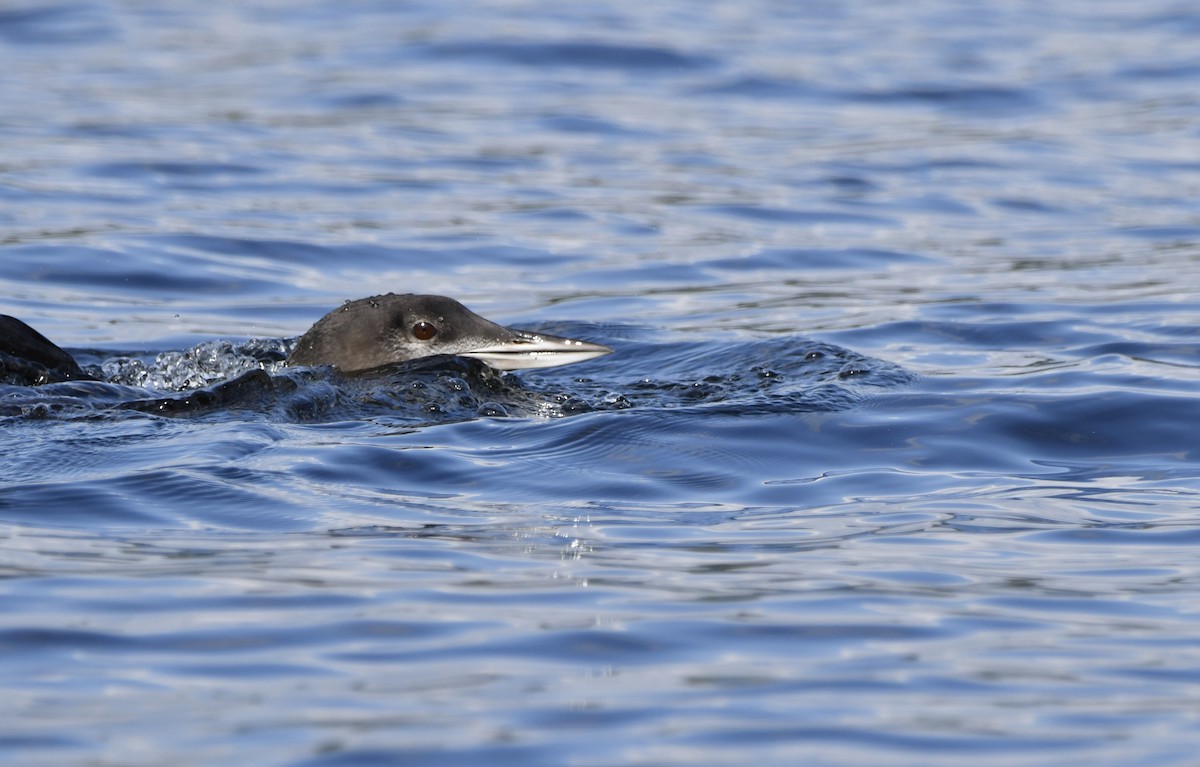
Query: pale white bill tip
(528, 351)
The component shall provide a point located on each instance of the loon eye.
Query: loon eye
(423, 331)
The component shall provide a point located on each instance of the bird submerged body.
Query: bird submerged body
(358, 337)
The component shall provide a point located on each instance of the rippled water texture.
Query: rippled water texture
(895, 462)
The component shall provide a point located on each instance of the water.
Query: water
(895, 462)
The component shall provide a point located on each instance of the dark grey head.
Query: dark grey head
(373, 332)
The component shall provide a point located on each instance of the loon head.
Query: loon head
(373, 332)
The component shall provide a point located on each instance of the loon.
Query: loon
(355, 338)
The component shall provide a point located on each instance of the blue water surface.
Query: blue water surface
(896, 461)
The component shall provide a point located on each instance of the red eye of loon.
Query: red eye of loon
(423, 331)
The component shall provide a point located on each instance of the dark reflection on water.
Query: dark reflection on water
(894, 463)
